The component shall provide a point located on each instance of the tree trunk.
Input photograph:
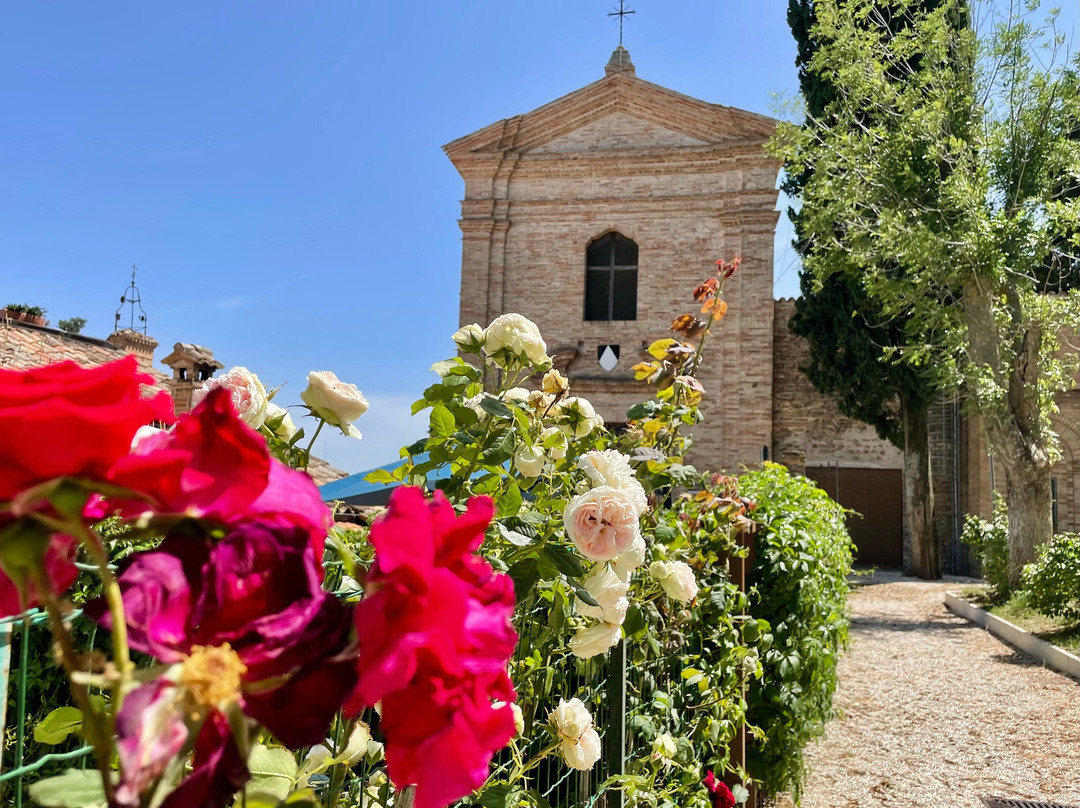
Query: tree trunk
(1015, 424)
(919, 494)
(1031, 519)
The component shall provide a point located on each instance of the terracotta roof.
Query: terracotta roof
(322, 472)
(27, 346)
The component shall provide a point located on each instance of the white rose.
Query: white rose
(571, 719)
(513, 339)
(518, 395)
(609, 591)
(316, 757)
(336, 402)
(625, 564)
(359, 745)
(611, 467)
(583, 754)
(554, 442)
(286, 429)
(594, 640)
(248, 395)
(576, 417)
(676, 578)
(602, 523)
(469, 338)
(529, 460)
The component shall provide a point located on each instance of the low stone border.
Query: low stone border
(1047, 653)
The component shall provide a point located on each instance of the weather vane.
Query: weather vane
(621, 14)
(132, 298)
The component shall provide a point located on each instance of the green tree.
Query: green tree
(73, 325)
(853, 343)
(945, 192)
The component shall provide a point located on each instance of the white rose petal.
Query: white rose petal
(664, 747)
(571, 719)
(518, 395)
(595, 640)
(676, 578)
(443, 367)
(583, 754)
(514, 340)
(611, 467)
(357, 747)
(336, 402)
(609, 591)
(625, 564)
(247, 392)
(529, 460)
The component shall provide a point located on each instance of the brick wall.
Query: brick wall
(808, 428)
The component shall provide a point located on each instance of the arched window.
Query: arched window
(611, 278)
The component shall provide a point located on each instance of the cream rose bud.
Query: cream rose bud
(248, 395)
(609, 591)
(664, 747)
(602, 523)
(285, 428)
(529, 460)
(469, 338)
(629, 561)
(611, 467)
(595, 640)
(515, 340)
(576, 418)
(554, 383)
(336, 402)
(554, 442)
(519, 717)
(676, 578)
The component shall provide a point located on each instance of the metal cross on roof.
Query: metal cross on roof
(621, 14)
(132, 299)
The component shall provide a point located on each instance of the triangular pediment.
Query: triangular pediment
(619, 111)
(618, 131)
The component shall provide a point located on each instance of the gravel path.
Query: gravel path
(936, 712)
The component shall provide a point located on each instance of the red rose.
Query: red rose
(66, 421)
(719, 792)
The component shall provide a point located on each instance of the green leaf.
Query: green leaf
(634, 622)
(512, 536)
(496, 796)
(740, 793)
(500, 448)
(75, 788)
(509, 502)
(273, 771)
(582, 593)
(525, 573)
(492, 406)
(564, 560)
(58, 725)
(442, 421)
(380, 476)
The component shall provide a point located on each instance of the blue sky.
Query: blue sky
(275, 168)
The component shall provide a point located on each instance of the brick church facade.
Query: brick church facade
(597, 214)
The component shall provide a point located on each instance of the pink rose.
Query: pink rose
(602, 522)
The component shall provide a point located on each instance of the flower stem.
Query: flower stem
(95, 730)
(311, 445)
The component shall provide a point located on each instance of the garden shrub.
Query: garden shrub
(1051, 585)
(991, 543)
(798, 583)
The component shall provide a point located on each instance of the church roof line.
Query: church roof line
(619, 91)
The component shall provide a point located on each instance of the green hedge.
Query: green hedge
(799, 585)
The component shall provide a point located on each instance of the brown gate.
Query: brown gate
(876, 494)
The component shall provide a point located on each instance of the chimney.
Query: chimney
(133, 342)
(191, 366)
